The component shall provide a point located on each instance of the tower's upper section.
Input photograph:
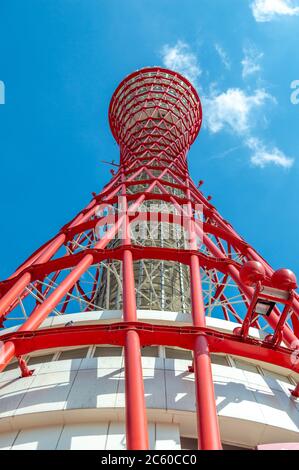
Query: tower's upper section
(155, 111)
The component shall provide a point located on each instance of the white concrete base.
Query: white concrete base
(79, 403)
(92, 436)
(63, 396)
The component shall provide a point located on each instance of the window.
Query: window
(107, 351)
(230, 447)
(188, 443)
(73, 354)
(246, 366)
(173, 353)
(275, 376)
(150, 351)
(40, 359)
(220, 360)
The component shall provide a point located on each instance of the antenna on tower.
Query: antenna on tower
(110, 163)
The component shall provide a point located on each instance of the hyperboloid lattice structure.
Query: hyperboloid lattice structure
(150, 240)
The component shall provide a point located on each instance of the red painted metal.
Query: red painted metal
(207, 422)
(25, 371)
(136, 424)
(284, 279)
(28, 341)
(155, 115)
(252, 272)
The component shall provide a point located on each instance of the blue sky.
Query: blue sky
(60, 62)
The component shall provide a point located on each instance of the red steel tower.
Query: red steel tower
(151, 241)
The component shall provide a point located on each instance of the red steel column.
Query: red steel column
(136, 422)
(208, 426)
(207, 420)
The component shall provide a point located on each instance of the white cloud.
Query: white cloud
(237, 112)
(233, 109)
(250, 62)
(182, 59)
(223, 56)
(263, 156)
(267, 10)
(225, 153)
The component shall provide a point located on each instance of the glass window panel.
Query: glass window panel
(107, 351)
(73, 354)
(188, 443)
(275, 376)
(172, 353)
(246, 366)
(221, 360)
(150, 351)
(230, 447)
(40, 359)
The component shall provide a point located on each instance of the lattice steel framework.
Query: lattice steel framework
(151, 240)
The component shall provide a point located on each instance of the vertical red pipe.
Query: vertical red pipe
(198, 309)
(136, 422)
(129, 298)
(207, 420)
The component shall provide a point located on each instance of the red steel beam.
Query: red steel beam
(136, 421)
(184, 337)
(42, 311)
(41, 257)
(208, 426)
(168, 148)
(207, 419)
(273, 319)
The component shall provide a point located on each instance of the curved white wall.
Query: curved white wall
(66, 399)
